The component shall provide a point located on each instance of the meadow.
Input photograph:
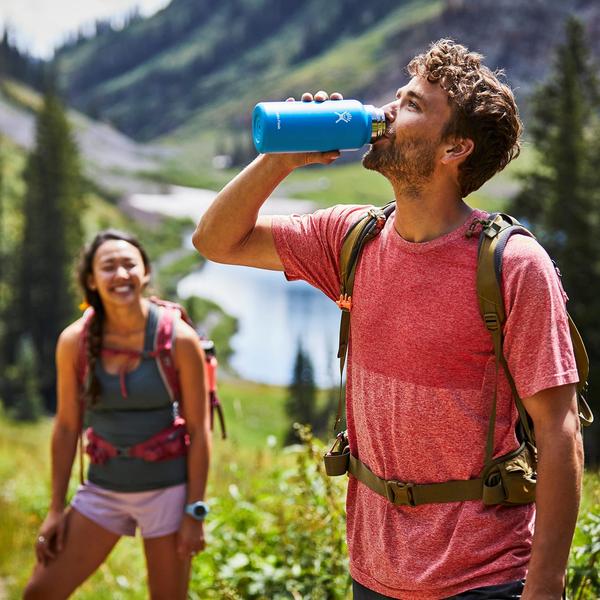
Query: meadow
(277, 525)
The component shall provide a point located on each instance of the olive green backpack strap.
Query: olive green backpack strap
(365, 229)
(496, 231)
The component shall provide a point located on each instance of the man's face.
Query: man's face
(409, 152)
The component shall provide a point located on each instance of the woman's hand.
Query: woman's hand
(190, 537)
(51, 536)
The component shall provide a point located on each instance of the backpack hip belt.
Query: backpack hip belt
(509, 480)
(171, 442)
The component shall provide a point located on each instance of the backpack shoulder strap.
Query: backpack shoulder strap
(163, 346)
(496, 231)
(173, 306)
(365, 229)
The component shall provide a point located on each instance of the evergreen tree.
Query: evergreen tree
(301, 401)
(560, 200)
(2, 262)
(51, 238)
(24, 376)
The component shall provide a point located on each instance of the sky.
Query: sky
(38, 26)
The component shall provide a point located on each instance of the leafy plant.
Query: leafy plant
(584, 571)
(283, 538)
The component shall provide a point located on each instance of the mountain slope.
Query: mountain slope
(110, 157)
(202, 64)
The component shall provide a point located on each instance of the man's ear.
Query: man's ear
(458, 150)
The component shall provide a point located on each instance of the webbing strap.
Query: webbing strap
(493, 238)
(365, 229)
(410, 494)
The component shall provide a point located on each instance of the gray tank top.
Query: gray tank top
(127, 421)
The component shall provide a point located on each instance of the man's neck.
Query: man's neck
(428, 213)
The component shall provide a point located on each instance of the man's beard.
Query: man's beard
(409, 163)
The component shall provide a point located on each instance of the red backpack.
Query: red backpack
(172, 441)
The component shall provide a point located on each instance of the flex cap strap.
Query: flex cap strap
(412, 494)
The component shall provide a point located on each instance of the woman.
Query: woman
(126, 403)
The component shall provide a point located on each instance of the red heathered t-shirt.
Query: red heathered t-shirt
(419, 392)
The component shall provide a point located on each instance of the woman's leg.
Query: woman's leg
(85, 547)
(168, 575)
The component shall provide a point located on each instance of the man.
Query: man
(421, 365)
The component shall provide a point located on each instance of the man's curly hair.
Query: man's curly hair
(483, 109)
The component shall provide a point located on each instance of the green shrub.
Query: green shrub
(584, 569)
(283, 539)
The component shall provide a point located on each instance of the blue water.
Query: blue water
(274, 316)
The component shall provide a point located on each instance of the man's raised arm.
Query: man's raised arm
(231, 231)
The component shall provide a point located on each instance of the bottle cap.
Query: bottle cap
(378, 122)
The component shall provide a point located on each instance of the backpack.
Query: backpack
(508, 479)
(173, 440)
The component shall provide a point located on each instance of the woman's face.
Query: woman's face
(118, 273)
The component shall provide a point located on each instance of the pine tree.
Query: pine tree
(300, 404)
(24, 375)
(51, 238)
(560, 200)
(2, 262)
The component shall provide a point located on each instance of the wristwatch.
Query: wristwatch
(197, 510)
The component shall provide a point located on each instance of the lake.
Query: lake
(274, 317)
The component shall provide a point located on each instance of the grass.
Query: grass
(254, 414)
(256, 422)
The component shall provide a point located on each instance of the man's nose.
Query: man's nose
(390, 110)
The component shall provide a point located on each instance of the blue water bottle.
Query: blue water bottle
(315, 126)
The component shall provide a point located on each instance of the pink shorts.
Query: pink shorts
(155, 512)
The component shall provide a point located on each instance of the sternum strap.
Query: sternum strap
(409, 494)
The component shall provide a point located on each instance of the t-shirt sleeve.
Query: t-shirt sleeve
(309, 245)
(537, 342)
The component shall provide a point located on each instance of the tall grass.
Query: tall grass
(276, 529)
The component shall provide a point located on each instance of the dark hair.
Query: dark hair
(484, 109)
(92, 297)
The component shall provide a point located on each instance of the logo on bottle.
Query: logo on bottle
(344, 117)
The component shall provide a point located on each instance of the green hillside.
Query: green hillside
(200, 66)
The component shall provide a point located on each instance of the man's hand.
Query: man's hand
(301, 159)
(231, 231)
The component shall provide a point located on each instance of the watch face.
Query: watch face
(198, 510)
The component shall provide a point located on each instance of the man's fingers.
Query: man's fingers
(321, 96)
(336, 96)
(290, 99)
(324, 158)
(307, 97)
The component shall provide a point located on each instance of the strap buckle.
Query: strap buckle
(344, 302)
(399, 493)
(492, 321)
(379, 217)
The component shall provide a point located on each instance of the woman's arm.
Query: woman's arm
(65, 433)
(189, 360)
